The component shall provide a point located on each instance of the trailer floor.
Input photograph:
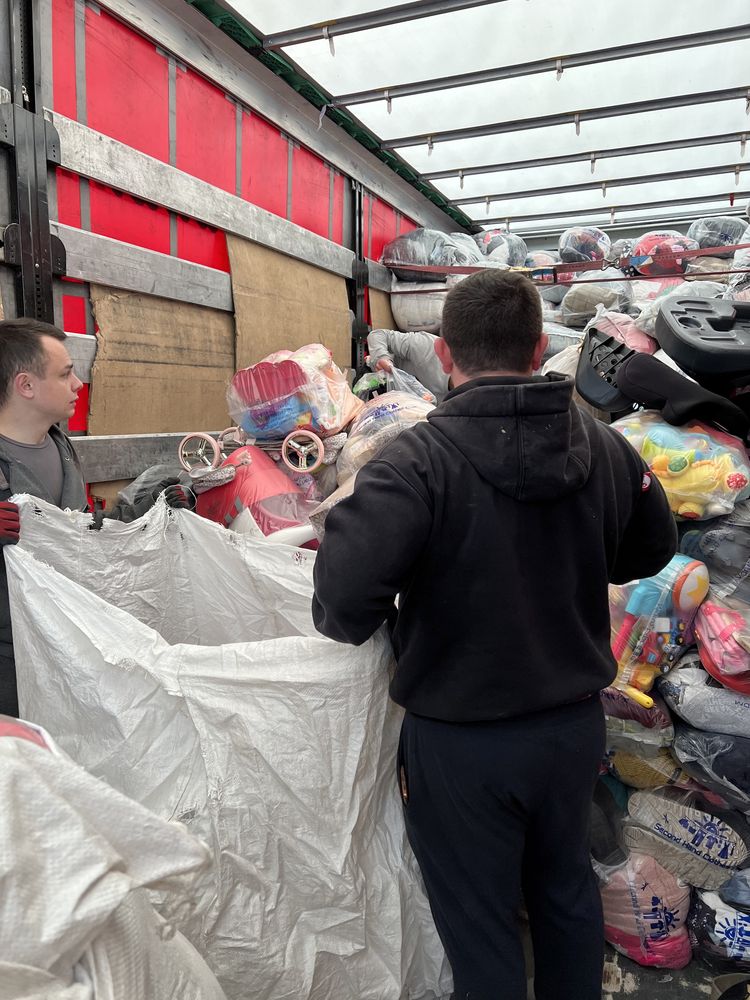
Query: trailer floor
(625, 979)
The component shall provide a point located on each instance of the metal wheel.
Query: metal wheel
(302, 451)
(198, 450)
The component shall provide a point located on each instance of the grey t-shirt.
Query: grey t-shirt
(43, 461)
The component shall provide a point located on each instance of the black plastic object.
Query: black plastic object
(646, 380)
(596, 375)
(708, 338)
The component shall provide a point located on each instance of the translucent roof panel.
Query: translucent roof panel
(513, 33)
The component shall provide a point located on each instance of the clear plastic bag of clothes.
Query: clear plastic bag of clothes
(660, 253)
(619, 249)
(654, 771)
(592, 289)
(724, 546)
(708, 268)
(400, 381)
(635, 728)
(427, 248)
(645, 912)
(719, 762)
(651, 621)
(701, 843)
(736, 892)
(738, 286)
(583, 243)
(381, 421)
(418, 305)
(289, 391)
(717, 231)
(704, 471)
(720, 934)
(550, 291)
(623, 328)
(505, 247)
(723, 637)
(700, 700)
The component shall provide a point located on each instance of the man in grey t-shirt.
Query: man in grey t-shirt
(38, 388)
(411, 352)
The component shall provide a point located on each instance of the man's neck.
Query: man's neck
(23, 428)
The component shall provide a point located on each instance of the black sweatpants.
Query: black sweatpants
(497, 809)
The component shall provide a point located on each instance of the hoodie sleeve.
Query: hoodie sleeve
(371, 543)
(650, 537)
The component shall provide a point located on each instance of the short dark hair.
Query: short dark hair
(22, 350)
(492, 321)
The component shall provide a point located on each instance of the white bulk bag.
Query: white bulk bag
(272, 744)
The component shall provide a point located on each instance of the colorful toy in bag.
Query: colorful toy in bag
(723, 636)
(651, 623)
(301, 392)
(260, 487)
(645, 913)
(660, 253)
(582, 243)
(704, 471)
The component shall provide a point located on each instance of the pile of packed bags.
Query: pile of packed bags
(628, 296)
(671, 836)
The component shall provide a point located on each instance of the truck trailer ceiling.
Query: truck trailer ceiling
(530, 112)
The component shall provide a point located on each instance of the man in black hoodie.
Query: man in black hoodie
(498, 523)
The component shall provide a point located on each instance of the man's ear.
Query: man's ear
(444, 356)
(541, 347)
(23, 384)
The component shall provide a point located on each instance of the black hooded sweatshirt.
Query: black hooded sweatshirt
(500, 522)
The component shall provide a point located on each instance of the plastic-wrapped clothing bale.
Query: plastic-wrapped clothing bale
(418, 306)
(508, 249)
(704, 471)
(717, 231)
(553, 293)
(645, 912)
(191, 654)
(513, 248)
(724, 546)
(701, 844)
(621, 248)
(738, 286)
(382, 420)
(736, 892)
(560, 337)
(708, 268)
(77, 859)
(651, 621)
(427, 248)
(646, 321)
(583, 243)
(718, 761)
(632, 727)
(582, 298)
(719, 933)
(723, 637)
(623, 328)
(693, 695)
(661, 252)
(656, 770)
(466, 241)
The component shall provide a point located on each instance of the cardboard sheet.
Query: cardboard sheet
(160, 365)
(285, 303)
(381, 317)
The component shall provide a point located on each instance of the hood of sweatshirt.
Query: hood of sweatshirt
(522, 434)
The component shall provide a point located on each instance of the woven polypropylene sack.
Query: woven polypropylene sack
(179, 662)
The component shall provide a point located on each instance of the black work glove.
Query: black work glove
(175, 495)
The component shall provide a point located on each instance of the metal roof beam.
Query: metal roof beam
(570, 117)
(580, 213)
(591, 156)
(326, 30)
(671, 175)
(656, 221)
(556, 64)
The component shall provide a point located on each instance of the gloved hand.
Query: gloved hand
(175, 495)
(10, 523)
